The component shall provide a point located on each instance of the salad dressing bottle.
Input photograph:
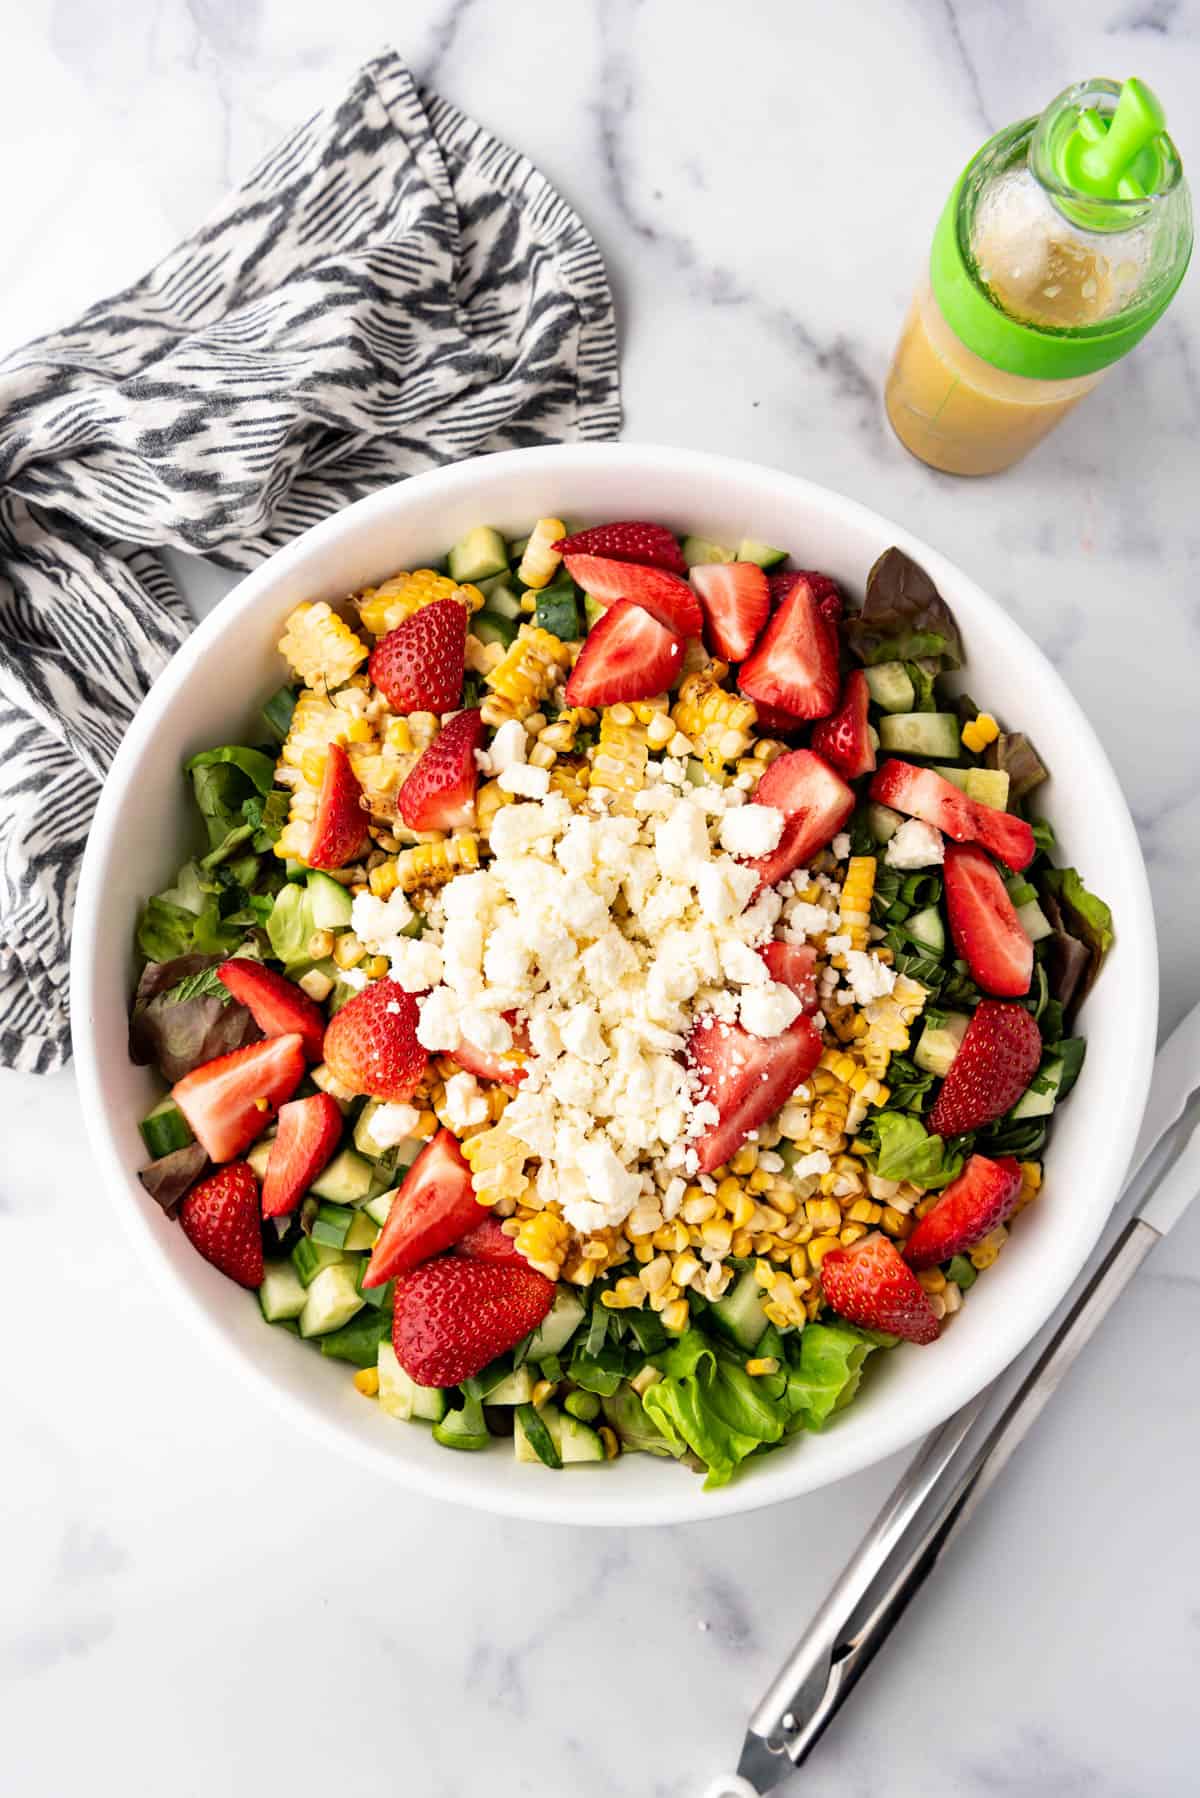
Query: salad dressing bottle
(1062, 243)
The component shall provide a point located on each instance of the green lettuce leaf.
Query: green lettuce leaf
(825, 1373)
(904, 1150)
(165, 930)
(222, 780)
(904, 618)
(1087, 917)
(707, 1402)
(625, 1413)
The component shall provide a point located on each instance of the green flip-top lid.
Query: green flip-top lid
(1104, 172)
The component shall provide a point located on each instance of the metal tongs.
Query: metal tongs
(958, 1463)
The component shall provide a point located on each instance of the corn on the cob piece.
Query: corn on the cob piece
(852, 1074)
(426, 865)
(540, 562)
(543, 1238)
(535, 661)
(570, 776)
(497, 1160)
(827, 1129)
(320, 647)
(488, 800)
(718, 723)
(854, 916)
(618, 760)
(382, 608)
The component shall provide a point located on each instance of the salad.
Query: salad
(623, 991)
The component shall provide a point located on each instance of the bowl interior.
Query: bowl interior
(209, 694)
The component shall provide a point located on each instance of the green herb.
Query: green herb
(909, 1085)
(1043, 835)
(920, 890)
(1070, 1051)
(204, 985)
(1021, 1137)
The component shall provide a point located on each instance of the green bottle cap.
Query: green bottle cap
(1104, 173)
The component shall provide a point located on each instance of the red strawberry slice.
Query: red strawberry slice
(984, 924)
(814, 800)
(439, 794)
(920, 793)
(794, 965)
(997, 1059)
(434, 1207)
(339, 829)
(230, 1101)
(486, 1241)
(451, 1317)
(276, 1004)
(220, 1220)
(747, 1078)
(794, 664)
(634, 541)
(419, 666)
(627, 654)
(844, 740)
(824, 590)
(970, 1208)
(508, 1069)
(870, 1285)
(371, 1044)
(664, 595)
(309, 1131)
(773, 719)
(735, 603)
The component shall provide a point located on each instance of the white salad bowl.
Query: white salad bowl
(145, 827)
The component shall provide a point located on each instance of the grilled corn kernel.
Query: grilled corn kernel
(543, 1390)
(854, 918)
(819, 1247)
(720, 724)
(979, 732)
(762, 1364)
(540, 562)
(675, 1317)
(533, 663)
(612, 1447)
(320, 647)
(646, 1377)
(366, 1381)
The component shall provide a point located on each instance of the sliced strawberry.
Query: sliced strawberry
(371, 1044)
(309, 1132)
(220, 1220)
(997, 1059)
(735, 603)
(794, 664)
(815, 802)
(439, 794)
(970, 1208)
(773, 719)
(984, 924)
(747, 1078)
(434, 1207)
(870, 1285)
(508, 1069)
(627, 654)
(419, 666)
(824, 590)
(844, 740)
(451, 1317)
(275, 1003)
(794, 965)
(339, 829)
(920, 793)
(486, 1241)
(665, 596)
(651, 544)
(230, 1101)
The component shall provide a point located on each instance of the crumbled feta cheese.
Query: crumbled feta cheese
(766, 1010)
(488, 1031)
(439, 1026)
(751, 830)
(525, 782)
(357, 979)
(841, 845)
(374, 920)
(916, 845)
(465, 1102)
(390, 1124)
(868, 977)
(817, 1162)
(681, 843)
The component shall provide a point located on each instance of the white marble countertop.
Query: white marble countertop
(196, 1600)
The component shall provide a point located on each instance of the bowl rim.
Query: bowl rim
(779, 1477)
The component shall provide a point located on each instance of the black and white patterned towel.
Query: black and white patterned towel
(391, 289)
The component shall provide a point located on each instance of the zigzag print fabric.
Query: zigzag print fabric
(391, 289)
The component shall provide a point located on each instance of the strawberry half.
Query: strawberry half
(794, 965)
(634, 541)
(508, 1069)
(220, 1220)
(815, 803)
(870, 1285)
(486, 1241)
(984, 924)
(920, 793)
(824, 590)
(627, 654)
(735, 603)
(439, 794)
(419, 666)
(997, 1059)
(434, 1207)
(230, 1101)
(275, 1003)
(778, 723)
(664, 595)
(971, 1206)
(309, 1131)
(451, 1317)
(371, 1043)
(845, 740)
(795, 662)
(339, 829)
(747, 1078)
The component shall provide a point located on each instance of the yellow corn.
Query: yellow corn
(488, 800)
(618, 760)
(828, 1126)
(1031, 1184)
(542, 1238)
(851, 1074)
(846, 1021)
(496, 1159)
(320, 647)
(570, 776)
(427, 865)
(533, 663)
(854, 919)
(540, 562)
(985, 1252)
(762, 1364)
(720, 724)
(608, 1437)
(543, 1389)
(979, 732)
(382, 608)
(366, 1381)
(675, 1317)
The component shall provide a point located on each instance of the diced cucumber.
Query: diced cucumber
(933, 734)
(740, 1314)
(1033, 921)
(463, 1429)
(1034, 1104)
(358, 1341)
(281, 1294)
(482, 552)
(362, 1233)
(558, 1326)
(332, 1300)
(401, 1154)
(499, 589)
(578, 1441)
(750, 550)
(377, 1209)
(989, 786)
(890, 686)
(536, 1435)
(882, 821)
(329, 1083)
(330, 902)
(514, 1389)
(516, 549)
(165, 1129)
(928, 929)
(592, 610)
(956, 776)
(310, 1258)
(698, 550)
(558, 611)
(259, 1156)
(583, 1405)
(490, 627)
(346, 1180)
(331, 1225)
(401, 1397)
(939, 1044)
(378, 1296)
